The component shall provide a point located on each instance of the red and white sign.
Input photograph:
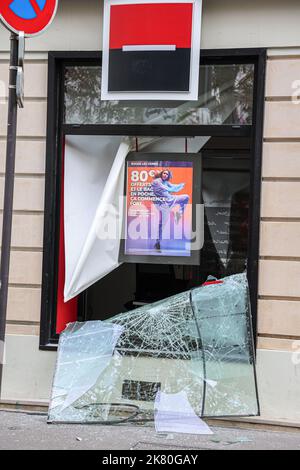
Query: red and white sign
(151, 49)
(29, 16)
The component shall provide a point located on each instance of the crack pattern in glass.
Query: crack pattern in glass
(198, 343)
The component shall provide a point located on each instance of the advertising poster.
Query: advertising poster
(159, 208)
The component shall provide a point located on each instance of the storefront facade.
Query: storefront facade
(259, 34)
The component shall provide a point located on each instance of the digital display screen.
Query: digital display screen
(159, 206)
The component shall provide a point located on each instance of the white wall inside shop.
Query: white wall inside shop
(226, 24)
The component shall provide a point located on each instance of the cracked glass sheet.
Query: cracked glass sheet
(224, 321)
(198, 343)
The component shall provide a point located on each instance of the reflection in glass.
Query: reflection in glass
(226, 195)
(225, 97)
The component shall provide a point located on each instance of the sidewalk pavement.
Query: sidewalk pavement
(20, 430)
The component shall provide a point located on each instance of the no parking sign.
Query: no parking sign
(29, 16)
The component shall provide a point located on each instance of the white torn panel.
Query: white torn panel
(94, 180)
(173, 413)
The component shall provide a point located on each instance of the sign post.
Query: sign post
(24, 18)
(9, 190)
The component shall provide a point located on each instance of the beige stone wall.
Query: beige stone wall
(279, 281)
(27, 236)
(28, 372)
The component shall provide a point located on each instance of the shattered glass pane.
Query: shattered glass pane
(197, 344)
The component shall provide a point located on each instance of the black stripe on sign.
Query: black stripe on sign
(146, 71)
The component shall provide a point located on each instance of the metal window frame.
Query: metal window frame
(56, 130)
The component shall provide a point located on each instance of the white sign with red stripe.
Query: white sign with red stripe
(151, 49)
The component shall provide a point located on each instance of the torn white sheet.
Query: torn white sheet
(173, 413)
(94, 178)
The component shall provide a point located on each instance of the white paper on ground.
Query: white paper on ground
(173, 413)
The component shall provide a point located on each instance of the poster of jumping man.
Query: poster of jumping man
(162, 192)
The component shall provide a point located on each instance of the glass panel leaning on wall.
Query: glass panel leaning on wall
(225, 97)
(194, 349)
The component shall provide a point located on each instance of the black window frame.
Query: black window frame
(56, 130)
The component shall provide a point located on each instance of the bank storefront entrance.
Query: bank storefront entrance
(224, 128)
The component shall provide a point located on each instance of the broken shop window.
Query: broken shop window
(194, 349)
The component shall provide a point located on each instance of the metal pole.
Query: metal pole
(8, 192)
